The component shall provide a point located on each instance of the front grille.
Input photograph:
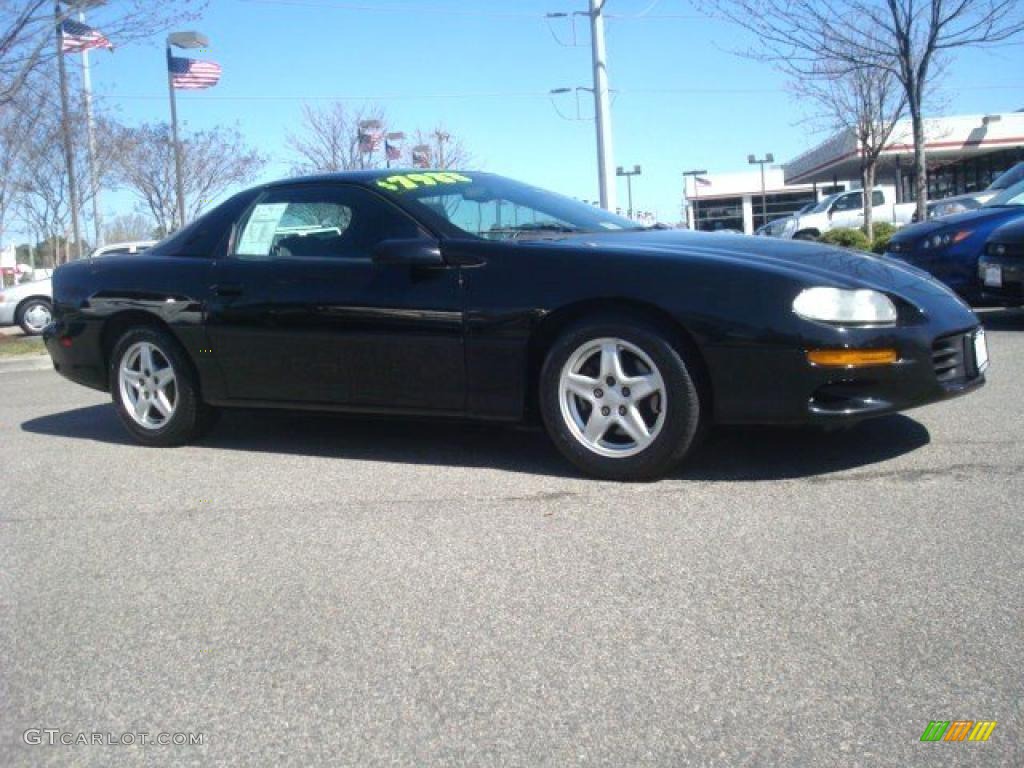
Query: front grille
(950, 358)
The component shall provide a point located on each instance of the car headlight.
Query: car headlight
(944, 239)
(838, 305)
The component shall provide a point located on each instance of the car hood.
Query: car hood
(1011, 232)
(965, 219)
(808, 262)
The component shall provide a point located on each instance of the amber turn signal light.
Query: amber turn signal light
(851, 358)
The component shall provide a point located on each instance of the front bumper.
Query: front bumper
(755, 385)
(1002, 279)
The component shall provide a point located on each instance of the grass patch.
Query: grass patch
(31, 347)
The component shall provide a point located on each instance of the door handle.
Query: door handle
(226, 290)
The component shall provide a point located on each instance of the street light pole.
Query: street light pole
(65, 122)
(696, 195)
(752, 160)
(180, 40)
(179, 174)
(94, 187)
(602, 107)
(620, 171)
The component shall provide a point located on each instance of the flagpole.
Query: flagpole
(178, 173)
(94, 187)
(69, 150)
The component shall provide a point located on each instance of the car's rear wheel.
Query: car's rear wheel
(34, 315)
(155, 390)
(619, 399)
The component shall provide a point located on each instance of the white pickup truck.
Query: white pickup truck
(844, 209)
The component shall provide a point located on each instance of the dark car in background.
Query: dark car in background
(470, 295)
(949, 248)
(1001, 266)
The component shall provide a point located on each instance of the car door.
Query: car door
(301, 312)
(848, 211)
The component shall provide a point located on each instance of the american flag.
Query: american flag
(394, 152)
(76, 37)
(193, 74)
(368, 142)
(421, 156)
(701, 181)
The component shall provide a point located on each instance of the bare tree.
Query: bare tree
(329, 141)
(27, 29)
(866, 102)
(38, 180)
(216, 161)
(128, 227)
(905, 37)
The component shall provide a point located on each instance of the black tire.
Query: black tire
(807, 236)
(682, 418)
(23, 318)
(191, 417)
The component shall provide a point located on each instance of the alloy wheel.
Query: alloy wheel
(612, 397)
(149, 386)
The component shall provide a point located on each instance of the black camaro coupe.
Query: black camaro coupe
(470, 295)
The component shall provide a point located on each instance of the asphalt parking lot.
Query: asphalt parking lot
(307, 590)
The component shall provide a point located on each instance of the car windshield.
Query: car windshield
(1009, 178)
(496, 208)
(1012, 196)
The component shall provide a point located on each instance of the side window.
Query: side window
(849, 202)
(877, 198)
(319, 222)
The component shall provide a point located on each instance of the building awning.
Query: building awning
(947, 139)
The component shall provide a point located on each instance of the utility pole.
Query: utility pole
(442, 137)
(94, 187)
(65, 122)
(602, 107)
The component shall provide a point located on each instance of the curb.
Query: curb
(22, 364)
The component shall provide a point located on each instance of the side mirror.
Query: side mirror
(413, 253)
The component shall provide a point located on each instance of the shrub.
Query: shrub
(883, 231)
(847, 238)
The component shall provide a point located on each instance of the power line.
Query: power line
(710, 91)
(441, 10)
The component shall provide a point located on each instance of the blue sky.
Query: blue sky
(483, 68)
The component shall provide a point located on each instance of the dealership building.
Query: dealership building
(965, 153)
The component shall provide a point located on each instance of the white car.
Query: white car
(844, 209)
(30, 305)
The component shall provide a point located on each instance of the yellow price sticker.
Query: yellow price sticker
(407, 181)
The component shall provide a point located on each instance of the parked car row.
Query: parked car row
(976, 253)
(30, 305)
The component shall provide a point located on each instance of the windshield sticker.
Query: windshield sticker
(408, 181)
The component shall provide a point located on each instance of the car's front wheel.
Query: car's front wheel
(34, 315)
(155, 391)
(619, 400)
